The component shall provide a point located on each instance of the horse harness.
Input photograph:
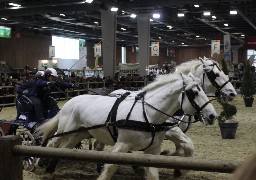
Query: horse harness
(112, 124)
(212, 76)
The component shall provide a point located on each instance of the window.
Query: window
(65, 48)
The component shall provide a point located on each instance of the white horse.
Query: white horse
(144, 112)
(213, 81)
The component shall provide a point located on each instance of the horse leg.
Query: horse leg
(152, 172)
(110, 169)
(98, 146)
(63, 142)
(184, 145)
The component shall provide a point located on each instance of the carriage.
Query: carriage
(24, 125)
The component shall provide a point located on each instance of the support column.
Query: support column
(143, 24)
(108, 28)
(235, 53)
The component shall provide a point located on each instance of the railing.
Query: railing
(8, 93)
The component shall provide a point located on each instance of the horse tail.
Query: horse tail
(48, 128)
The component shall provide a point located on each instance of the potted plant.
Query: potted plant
(226, 121)
(248, 87)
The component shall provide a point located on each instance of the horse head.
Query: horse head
(193, 95)
(215, 81)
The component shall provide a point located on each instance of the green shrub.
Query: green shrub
(247, 87)
(228, 112)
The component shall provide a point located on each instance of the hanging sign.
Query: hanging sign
(154, 48)
(97, 50)
(227, 47)
(215, 47)
(51, 51)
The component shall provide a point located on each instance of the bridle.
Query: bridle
(212, 77)
(191, 97)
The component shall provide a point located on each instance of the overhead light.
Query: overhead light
(181, 14)
(123, 12)
(44, 27)
(173, 41)
(214, 17)
(170, 27)
(182, 43)
(196, 5)
(62, 14)
(88, 1)
(225, 24)
(156, 15)
(159, 37)
(133, 15)
(197, 36)
(233, 12)
(96, 22)
(4, 19)
(242, 35)
(123, 28)
(114, 9)
(14, 4)
(151, 20)
(207, 13)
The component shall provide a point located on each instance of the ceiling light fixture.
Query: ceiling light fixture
(133, 15)
(14, 4)
(96, 22)
(114, 9)
(181, 14)
(4, 19)
(225, 24)
(88, 1)
(233, 12)
(182, 43)
(196, 5)
(151, 20)
(214, 17)
(170, 27)
(207, 13)
(197, 36)
(62, 15)
(123, 28)
(156, 15)
(242, 35)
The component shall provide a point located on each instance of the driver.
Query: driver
(40, 92)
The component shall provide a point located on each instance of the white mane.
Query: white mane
(191, 66)
(169, 78)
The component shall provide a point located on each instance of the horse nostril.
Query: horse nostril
(212, 116)
(232, 94)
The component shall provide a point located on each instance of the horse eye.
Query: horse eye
(195, 93)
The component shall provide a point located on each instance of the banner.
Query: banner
(215, 47)
(97, 50)
(154, 48)
(51, 51)
(227, 47)
(171, 52)
(250, 42)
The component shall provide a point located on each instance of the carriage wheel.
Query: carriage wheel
(1, 132)
(29, 163)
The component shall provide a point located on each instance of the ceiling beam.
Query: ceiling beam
(49, 8)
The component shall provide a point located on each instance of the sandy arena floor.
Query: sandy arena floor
(207, 141)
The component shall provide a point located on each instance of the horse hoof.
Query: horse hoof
(176, 173)
(138, 169)
(47, 176)
(100, 166)
(165, 152)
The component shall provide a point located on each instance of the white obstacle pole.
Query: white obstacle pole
(224, 166)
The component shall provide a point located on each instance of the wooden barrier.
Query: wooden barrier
(11, 153)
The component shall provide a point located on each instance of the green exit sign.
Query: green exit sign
(5, 32)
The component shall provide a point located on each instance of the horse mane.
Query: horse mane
(169, 78)
(192, 65)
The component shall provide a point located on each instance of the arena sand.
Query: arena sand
(207, 141)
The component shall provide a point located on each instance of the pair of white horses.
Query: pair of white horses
(164, 96)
